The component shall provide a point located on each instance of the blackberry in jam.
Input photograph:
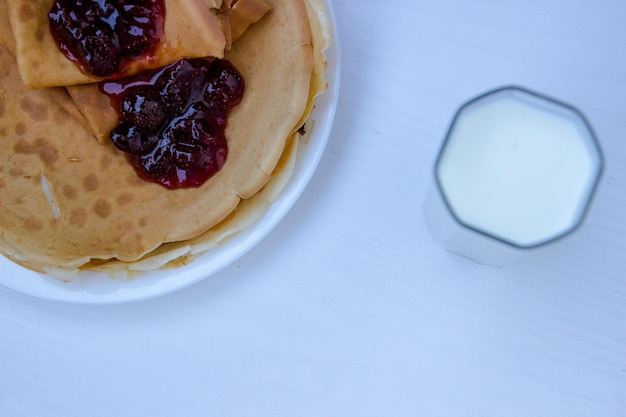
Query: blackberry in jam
(172, 120)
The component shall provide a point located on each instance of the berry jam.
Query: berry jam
(104, 35)
(172, 121)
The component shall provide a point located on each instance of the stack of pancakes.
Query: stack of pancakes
(69, 200)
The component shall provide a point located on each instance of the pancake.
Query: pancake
(191, 29)
(68, 202)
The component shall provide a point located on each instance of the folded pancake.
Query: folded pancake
(241, 14)
(67, 201)
(193, 28)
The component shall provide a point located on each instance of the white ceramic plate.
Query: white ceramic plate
(96, 288)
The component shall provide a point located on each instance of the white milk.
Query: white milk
(518, 168)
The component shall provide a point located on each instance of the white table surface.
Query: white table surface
(349, 308)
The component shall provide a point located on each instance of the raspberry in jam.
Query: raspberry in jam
(172, 120)
(101, 36)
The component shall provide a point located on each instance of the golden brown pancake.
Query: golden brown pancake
(67, 201)
(191, 30)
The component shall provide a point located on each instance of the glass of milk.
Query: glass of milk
(516, 172)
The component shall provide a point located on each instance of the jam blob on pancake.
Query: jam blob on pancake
(103, 35)
(172, 121)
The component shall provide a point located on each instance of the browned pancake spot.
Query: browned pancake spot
(143, 222)
(78, 217)
(70, 192)
(91, 182)
(37, 111)
(33, 224)
(48, 153)
(2, 105)
(25, 12)
(20, 128)
(102, 208)
(124, 199)
(3, 132)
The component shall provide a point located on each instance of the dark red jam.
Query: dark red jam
(172, 121)
(102, 36)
